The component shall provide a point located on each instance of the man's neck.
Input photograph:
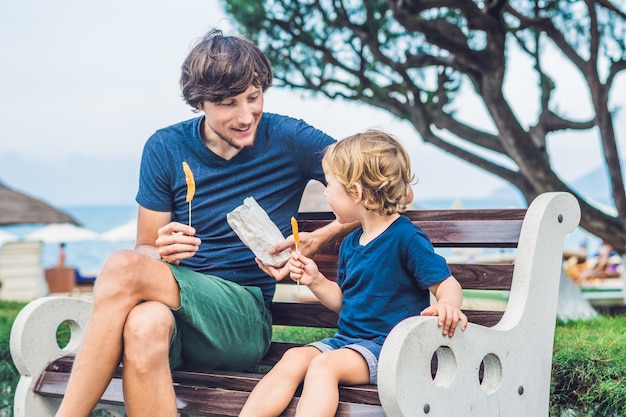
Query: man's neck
(215, 144)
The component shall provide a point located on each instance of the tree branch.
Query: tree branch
(612, 8)
(546, 26)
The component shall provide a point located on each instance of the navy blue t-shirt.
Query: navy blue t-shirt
(386, 280)
(287, 153)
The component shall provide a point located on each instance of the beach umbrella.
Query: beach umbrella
(121, 233)
(62, 232)
(19, 208)
(7, 237)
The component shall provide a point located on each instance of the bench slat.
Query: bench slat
(315, 314)
(479, 228)
(464, 234)
(497, 234)
(313, 220)
(244, 381)
(470, 276)
(483, 277)
(198, 399)
(312, 314)
(198, 391)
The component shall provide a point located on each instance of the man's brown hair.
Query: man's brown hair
(219, 67)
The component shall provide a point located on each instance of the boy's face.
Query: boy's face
(231, 124)
(338, 199)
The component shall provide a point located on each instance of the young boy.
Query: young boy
(386, 269)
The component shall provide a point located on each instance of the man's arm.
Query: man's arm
(311, 242)
(160, 238)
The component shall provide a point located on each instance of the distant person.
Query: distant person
(387, 268)
(164, 304)
(602, 267)
(577, 263)
(61, 264)
(60, 278)
(61, 260)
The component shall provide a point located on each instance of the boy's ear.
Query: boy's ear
(357, 191)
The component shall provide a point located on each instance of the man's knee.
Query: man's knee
(119, 269)
(147, 332)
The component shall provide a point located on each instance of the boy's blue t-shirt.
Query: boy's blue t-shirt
(386, 280)
(287, 153)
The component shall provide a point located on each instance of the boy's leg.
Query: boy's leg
(127, 279)
(320, 394)
(274, 392)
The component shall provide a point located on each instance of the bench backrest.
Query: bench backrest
(467, 229)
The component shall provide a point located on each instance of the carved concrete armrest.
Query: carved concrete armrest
(34, 346)
(516, 354)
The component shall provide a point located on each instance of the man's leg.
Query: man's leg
(148, 389)
(127, 279)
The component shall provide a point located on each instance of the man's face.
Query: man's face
(231, 124)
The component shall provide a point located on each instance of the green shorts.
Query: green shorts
(219, 324)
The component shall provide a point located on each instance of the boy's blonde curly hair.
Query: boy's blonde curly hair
(378, 162)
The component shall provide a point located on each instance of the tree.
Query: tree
(410, 58)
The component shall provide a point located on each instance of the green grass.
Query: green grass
(300, 334)
(588, 365)
(8, 374)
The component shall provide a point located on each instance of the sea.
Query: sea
(86, 256)
(89, 256)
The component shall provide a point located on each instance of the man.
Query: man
(193, 295)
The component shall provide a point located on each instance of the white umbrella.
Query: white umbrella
(62, 232)
(121, 233)
(7, 237)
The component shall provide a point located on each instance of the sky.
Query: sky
(83, 84)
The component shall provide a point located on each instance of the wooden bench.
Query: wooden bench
(500, 366)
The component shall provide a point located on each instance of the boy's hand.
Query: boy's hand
(449, 317)
(302, 270)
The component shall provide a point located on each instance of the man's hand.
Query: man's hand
(309, 244)
(176, 241)
(277, 273)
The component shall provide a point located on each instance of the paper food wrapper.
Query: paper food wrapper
(257, 231)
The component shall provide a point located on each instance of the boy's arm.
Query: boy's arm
(448, 306)
(328, 292)
(312, 242)
(305, 271)
(449, 292)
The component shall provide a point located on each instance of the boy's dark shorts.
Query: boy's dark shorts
(369, 349)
